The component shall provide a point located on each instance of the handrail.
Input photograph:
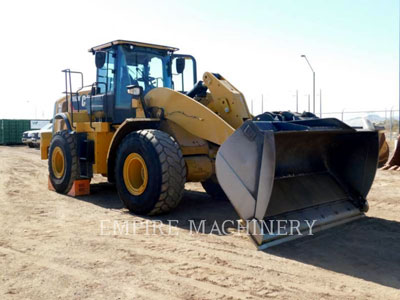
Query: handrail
(67, 73)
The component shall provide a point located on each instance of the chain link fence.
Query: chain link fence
(387, 120)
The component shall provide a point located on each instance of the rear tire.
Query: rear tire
(30, 145)
(212, 187)
(63, 174)
(158, 186)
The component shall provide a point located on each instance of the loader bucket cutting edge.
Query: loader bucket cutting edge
(317, 170)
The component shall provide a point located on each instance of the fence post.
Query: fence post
(262, 103)
(391, 124)
(320, 103)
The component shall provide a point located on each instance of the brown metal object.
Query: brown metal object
(394, 162)
(383, 150)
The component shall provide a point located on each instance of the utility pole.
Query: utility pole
(313, 93)
(391, 124)
(305, 57)
(320, 103)
(262, 103)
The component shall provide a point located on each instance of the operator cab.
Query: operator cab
(124, 63)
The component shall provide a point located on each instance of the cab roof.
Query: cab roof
(139, 44)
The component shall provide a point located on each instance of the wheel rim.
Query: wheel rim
(57, 162)
(135, 174)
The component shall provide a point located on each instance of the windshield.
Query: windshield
(145, 67)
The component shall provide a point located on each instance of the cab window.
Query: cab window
(105, 74)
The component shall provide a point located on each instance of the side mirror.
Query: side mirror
(100, 59)
(180, 65)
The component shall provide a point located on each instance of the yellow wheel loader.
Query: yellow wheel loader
(150, 126)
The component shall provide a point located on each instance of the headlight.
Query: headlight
(135, 90)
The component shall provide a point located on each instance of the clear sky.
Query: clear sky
(353, 45)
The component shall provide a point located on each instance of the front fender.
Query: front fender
(129, 125)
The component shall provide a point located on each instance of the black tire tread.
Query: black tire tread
(71, 142)
(172, 168)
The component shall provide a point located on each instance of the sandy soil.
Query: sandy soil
(51, 246)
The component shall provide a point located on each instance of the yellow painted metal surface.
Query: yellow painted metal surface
(198, 168)
(196, 152)
(61, 106)
(58, 162)
(124, 126)
(135, 174)
(81, 116)
(45, 139)
(137, 105)
(190, 115)
(190, 144)
(225, 100)
(94, 127)
(102, 142)
(122, 130)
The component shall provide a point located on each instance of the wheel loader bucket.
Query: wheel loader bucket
(290, 179)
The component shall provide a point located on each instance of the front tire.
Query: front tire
(150, 172)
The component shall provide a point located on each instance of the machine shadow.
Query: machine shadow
(104, 195)
(195, 206)
(368, 248)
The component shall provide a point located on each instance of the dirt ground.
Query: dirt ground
(54, 246)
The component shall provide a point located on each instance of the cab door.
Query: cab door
(104, 96)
